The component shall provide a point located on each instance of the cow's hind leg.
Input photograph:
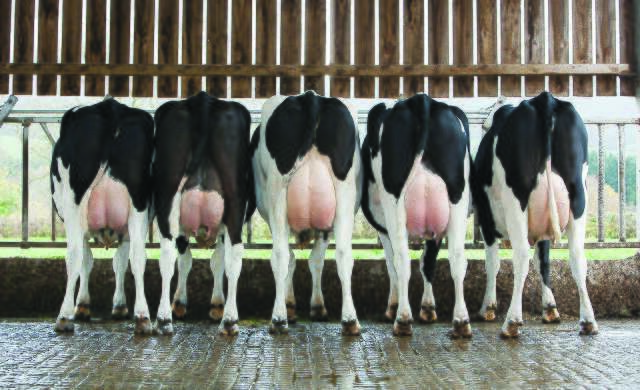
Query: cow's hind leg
(168, 255)
(75, 250)
(138, 225)
(316, 263)
(179, 305)
(279, 260)
(428, 269)
(578, 262)
(491, 266)
(120, 265)
(290, 300)
(216, 308)
(541, 262)
(83, 301)
(392, 301)
(232, 265)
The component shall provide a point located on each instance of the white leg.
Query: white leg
(233, 265)
(290, 300)
(279, 260)
(316, 263)
(120, 265)
(541, 263)
(578, 262)
(392, 301)
(428, 259)
(83, 301)
(216, 309)
(75, 242)
(138, 225)
(492, 266)
(185, 261)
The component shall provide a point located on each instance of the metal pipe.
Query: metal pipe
(621, 185)
(600, 183)
(25, 184)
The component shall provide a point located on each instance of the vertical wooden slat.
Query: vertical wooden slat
(96, 52)
(413, 25)
(217, 44)
(47, 43)
(487, 50)
(241, 45)
(340, 44)
(534, 43)
(627, 46)
(23, 44)
(559, 44)
(143, 45)
(291, 13)
(582, 85)
(168, 25)
(510, 45)
(192, 44)
(605, 44)
(315, 28)
(364, 45)
(266, 45)
(5, 35)
(463, 44)
(438, 45)
(119, 45)
(389, 45)
(72, 39)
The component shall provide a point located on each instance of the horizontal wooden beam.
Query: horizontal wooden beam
(316, 70)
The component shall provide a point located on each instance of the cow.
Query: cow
(529, 185)
(100, 182)
(306, 164)
(417, 161)
(201, 187)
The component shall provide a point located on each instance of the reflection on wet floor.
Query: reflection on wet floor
(315, 355)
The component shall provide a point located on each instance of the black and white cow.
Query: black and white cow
(529, 185)
(417, 163)
(202, 174)
(306, 166)
(100, 182)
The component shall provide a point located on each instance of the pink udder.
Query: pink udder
(311, 199)
(199, 208)
(109, 205)
(426, 203)
(539, 214)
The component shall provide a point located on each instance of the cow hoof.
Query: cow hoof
(229, 328)
(461, 330)
(489, 314)
(216, 311)
(82, 312)
(291, 313)
(119, 312)
(512, 331)
(551, 315)
(350, 328)
(402, 328)
(179, 309)
(428, 314)
(143, 326)
(318, 313)
(588, 328)
(391, 313)
(164, 327)
(64, 325)
(278, 327)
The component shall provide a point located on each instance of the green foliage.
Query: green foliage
(611, 173)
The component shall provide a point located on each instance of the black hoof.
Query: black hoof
(179, 309)
(143, 326)
(229, 328)
(588, 328)
(551, 315)
(428, 314)
(120, 312)
(216, 311)
(351, 328)
(291, 313)
(64, 325)
(391, 313)
(403, 328)
(461, 330)
(318, 313)
(512, 330)
(279, 327)
(82, 312)
(164, 327)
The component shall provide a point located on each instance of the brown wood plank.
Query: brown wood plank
(47, 43)
(143, 45)
(241, 45)
(582, 85)
(119, 44)
(192, 44)
(487, 42)
(266, 45)
(463, 44)
(389, 45)
(217, 44)
(364, 46)
(559, 44)
(340, 44)
(605, 44)
(168, 27)
(5, 36)
(534, 43)
(315, 30)
(290, 39)
(23, 44)
(627, 45)
(96, 52)
(510, 45)
(71, 44)
(413, 25)
(438, 44)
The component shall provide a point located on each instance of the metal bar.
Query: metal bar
(53, 221)
(250, 231)
(25, 181)
(6, 108)
(638, 174)
(45, 128)
(621, 185)
(600, 183)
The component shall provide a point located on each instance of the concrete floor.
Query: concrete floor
(314, 355)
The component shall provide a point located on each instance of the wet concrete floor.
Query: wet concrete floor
(314, 355)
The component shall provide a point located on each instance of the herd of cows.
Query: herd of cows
(196, 169)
